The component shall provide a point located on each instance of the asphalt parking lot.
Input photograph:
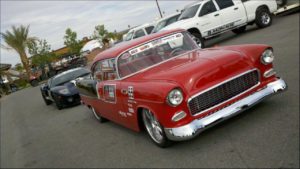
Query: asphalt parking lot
(267, 135)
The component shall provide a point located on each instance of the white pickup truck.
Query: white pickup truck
(208, 18)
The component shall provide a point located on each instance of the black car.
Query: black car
(61, 88)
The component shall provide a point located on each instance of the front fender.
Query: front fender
(152, 95)
(251, 51)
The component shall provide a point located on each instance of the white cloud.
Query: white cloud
(49, 19)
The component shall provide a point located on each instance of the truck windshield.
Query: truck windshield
(154, 52)
(165, 23)
(189, 12)
(129, 35)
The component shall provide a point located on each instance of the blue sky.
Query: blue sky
(49, 19)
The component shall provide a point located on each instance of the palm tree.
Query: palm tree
(18, 39)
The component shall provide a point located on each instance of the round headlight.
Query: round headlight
(267, 57)
(175, 97)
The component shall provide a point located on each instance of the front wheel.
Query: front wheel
(48, 102)
(263, 18)
(154, 129)
(199, 40)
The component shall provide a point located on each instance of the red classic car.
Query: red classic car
(165, 83)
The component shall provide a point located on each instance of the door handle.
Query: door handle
(236, 8)
(124, 91)
(217, 14)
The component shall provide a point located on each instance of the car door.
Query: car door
(109, 91)
(232, 13)
(209, 19)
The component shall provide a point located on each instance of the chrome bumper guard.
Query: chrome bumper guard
(192, 129)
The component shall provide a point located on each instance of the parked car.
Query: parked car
(61, 88)
(209, 18)
(90, 46)
(166, 83)
(138, 31)
(165, 21)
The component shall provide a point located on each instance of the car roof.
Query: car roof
(69, 71)
(121, 47)
(141, 26)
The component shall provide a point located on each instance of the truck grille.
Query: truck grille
(223, 92)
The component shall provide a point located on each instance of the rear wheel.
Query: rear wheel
(34, 83)
(98, 117)
(239, 30)
(263, 18)
(154, 129)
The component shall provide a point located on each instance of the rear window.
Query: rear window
(224, 3)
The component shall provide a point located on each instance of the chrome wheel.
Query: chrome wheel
(98, 116)
(95, 114)
(153, 127)
(265, 18)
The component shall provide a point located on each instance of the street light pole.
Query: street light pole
(158, 8)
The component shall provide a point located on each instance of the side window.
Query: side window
(109, 92)
(224, 3)
(105, 70)
(208, 8)
(139, 33)
(97, 72)
(149, 29)
(172, 20)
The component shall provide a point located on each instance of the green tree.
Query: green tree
(71, 42)
(19, 67)
(40, 52)
(18, 39)
(100, 33)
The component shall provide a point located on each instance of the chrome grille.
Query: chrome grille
(223, 92)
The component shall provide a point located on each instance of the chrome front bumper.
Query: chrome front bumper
(197, 126)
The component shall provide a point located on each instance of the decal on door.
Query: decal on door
(222, 28)
(130, 93)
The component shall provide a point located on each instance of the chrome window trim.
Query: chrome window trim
(234, 77)
(103, 98)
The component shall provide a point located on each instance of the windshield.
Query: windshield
(189, 12)
(68, 76)
(129, 35)
(165, 23)
(154, 52)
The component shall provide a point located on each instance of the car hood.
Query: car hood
(177, 24)
(199, 69)
(69, 85)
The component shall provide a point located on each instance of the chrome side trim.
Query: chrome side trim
(192, 129)
(259, 78)
(269, 73)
